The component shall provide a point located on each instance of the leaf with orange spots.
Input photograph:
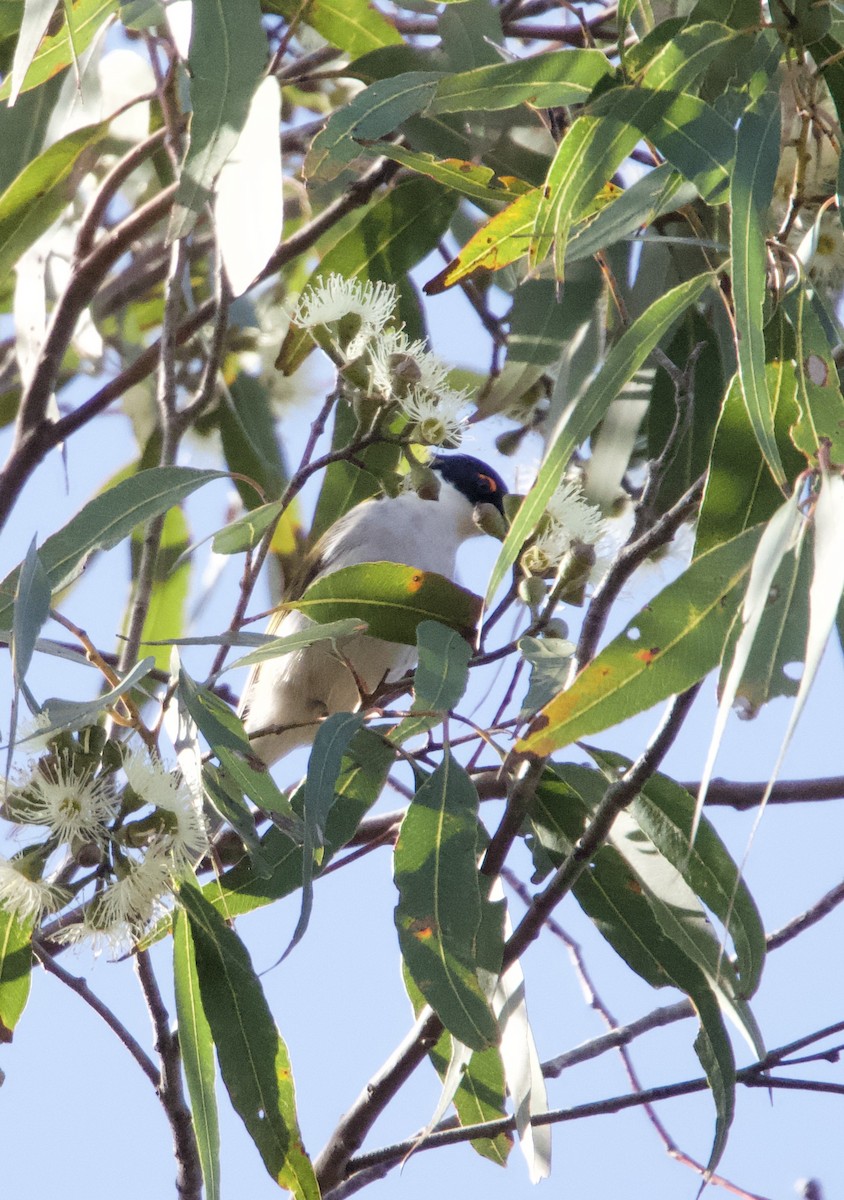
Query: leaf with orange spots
(392, 599)
(674, 641)
(501, 241)
(438, 916)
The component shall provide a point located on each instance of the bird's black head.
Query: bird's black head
(478, 482)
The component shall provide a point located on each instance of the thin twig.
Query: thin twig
(171, 1090)
(80, 986)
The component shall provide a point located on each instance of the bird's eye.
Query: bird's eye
(487, 483)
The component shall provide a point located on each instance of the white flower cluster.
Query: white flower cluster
(570, 520)
(135, 875)
(399, 371)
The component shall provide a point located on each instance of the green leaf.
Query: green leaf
(74, 714)
(330, 744)
(687, 55)
(439, 910)
(36, 18)
(739, 489)
(757, 155)
(699, 142)
(228, 52)
(818, 387)
(660, 191)
(197, 1050)
(23, 127)
(214, 719)
(470, 179)
(253, 1059)
(614, 900)
(392, 599)
(275, 647)
(672, 643)
(250, 445)
(83, 20)
(32, 607)
(545, 81)
(226, 798)
(16, 961)
(374, 112)
(241, 889)
(583, 414)
(440, 679)
(355, 26)
(31, 204)
(482, 1094)
(168, 600)
(105, 521)
(550, 660)
(664, 810)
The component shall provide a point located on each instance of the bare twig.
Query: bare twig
(171, 1091)
(80, 986)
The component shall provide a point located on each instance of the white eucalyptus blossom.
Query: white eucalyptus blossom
(119, 916)
(581, 520)
(153, 783)
(330, 300)
(73, 804)
(391, 353)
(23, 898)
(439, 419)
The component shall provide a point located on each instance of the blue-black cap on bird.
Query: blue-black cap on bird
(288, 696)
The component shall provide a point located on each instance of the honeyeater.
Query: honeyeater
(288, 696)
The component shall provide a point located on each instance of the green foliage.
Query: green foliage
(628, 231)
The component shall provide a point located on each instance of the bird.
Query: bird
(290, 695)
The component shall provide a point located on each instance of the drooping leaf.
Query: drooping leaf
(32, 607)
(620, 908)
(392, 599)
(818, 388)
(83, 20)
(33, 201)
(320, 793)
(439, 910)
(16, 960)
(550, 660)
(674, 641)
(59, 714)
(212, 716)
(440, 679)
(252, 168)
(105, 521)
(501, 241)
(740, 491)
(660, 191)
(664, 810)
(197, 1051)
(778, 538)
(168, 600)
(274, 647)
(253, 1058)
(36, 18)
(583, 414)
(228, 51)
(470, 179)
(757, 155)
(481, 1094)
(251, 448)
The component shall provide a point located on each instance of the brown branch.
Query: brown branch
(37, 436)
(171, 1090)
(80, 986)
